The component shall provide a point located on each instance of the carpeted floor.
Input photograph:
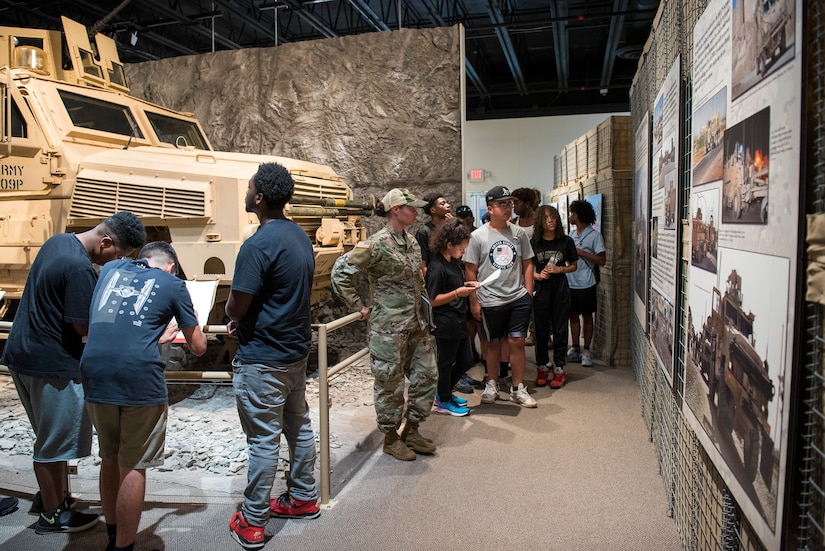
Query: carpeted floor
(576, 473)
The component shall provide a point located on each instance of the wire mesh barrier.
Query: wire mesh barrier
(706, 511)
(810, 503)
(599, 163)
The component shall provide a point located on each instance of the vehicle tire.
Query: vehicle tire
(724, 409)
(178, 357)
(737, 206)
(766, 462)
(750, 451)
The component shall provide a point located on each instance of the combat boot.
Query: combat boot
(412, 438)
(396, 447)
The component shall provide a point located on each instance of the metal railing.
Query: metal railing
(324, 374)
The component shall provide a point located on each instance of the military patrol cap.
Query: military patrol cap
(498, 193)
(398, 197)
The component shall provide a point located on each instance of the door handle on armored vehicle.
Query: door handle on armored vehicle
(202, 158)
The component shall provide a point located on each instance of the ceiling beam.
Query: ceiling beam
(507, 45)
(561, 44)
(234, 11)
(614, 35)
(142, 31)
(193, 25)
(310, 18)
(368, 15)
(476, 81)
(469, 70)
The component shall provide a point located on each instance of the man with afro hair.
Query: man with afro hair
(269, 309)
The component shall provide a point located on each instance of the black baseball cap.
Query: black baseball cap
(498, 193)
(463, 211)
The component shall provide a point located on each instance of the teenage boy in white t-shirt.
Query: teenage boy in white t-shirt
(503, 305)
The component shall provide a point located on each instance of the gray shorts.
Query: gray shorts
(136, 435)
(57, 412)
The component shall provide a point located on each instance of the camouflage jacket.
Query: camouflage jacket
(392, 263)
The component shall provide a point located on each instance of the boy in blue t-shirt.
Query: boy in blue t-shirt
(122, 371)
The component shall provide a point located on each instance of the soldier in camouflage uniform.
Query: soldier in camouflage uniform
(400, 343)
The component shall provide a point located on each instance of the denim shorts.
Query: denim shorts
(57, 411)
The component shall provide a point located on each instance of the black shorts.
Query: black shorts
(583, 301)
(509, 320)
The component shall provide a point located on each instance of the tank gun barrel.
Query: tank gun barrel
(363, 205)
(325, 211)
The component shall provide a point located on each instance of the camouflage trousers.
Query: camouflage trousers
(393, 357)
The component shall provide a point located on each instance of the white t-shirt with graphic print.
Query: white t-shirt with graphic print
(493, 250)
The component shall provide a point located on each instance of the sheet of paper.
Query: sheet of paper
(203, 297)
(492, 277)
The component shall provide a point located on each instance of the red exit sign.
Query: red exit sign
(477, 175)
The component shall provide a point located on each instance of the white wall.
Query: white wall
(519, 152)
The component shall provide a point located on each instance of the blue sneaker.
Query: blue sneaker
(451, 408)
(460, 401)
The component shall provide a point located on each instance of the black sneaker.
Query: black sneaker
(8, 505)
(37, 504)
(463, 386)
(472, 382)
(64, 520)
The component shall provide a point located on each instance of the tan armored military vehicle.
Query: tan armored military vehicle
(75, 148)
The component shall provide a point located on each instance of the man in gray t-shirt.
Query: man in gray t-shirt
(502, 305)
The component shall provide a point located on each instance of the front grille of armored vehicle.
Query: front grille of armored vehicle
(99, 199)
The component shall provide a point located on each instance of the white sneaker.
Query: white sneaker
(587, 359)
(490, 394)
(521, 397)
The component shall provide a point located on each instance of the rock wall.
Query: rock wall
(382, 109)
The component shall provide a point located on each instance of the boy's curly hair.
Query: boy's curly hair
(584, 210)
(531, 196)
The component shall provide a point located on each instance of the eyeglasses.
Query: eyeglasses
(118, 248)
(503, 204)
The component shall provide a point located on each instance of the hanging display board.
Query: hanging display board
(641, 217)
(596, 201)
(664, 210)
(744, 216)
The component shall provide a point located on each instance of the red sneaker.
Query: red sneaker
(541, 376)
(250, 537)
(286, 506)
(558, 380)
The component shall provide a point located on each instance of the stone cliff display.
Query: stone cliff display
(382, 109)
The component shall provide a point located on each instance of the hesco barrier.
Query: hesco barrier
(600, 162)
(706, 514)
